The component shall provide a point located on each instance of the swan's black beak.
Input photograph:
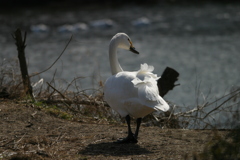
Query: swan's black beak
(132, 49)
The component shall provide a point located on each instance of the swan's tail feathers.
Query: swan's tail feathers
(148, 94)
(162, 106)
(146, 67)
(146, 71)
(167, 81)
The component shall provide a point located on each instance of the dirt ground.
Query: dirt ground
(27, 132)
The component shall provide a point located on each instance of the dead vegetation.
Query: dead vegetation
(32, 132)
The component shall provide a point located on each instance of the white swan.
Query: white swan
(131, 93)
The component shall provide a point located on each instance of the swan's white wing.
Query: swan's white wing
(146, 88)
(148, 92)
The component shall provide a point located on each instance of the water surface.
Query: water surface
(200, 41)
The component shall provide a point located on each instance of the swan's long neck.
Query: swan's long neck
(115, 66)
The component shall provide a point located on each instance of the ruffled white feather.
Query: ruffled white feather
(146, 83)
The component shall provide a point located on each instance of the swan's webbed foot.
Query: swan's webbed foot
(129, 139)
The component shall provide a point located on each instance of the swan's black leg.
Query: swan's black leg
(130, 138)
(139, 120)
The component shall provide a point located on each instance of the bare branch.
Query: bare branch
(58, 92)
(219, 106)
(55, 60)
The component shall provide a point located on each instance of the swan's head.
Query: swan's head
(123, 41)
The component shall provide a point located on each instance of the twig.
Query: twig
(15, 145)
(58, 91)
(57, 139)
(219, 106)
(72, 109)
(237, 90)
(52, 80)
(55, 60)
(72, 82)
(191, 111)
(171, 112)
(209, 104)
(7, 143)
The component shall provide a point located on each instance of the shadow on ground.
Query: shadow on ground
(114, 149)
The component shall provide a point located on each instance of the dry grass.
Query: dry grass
(10, 79)
(67, 104)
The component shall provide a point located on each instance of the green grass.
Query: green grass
(57, 112)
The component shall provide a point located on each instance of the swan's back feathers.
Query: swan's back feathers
(146, 83)
(134, 93)
(146, 89)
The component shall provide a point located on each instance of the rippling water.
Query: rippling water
(202, 42)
